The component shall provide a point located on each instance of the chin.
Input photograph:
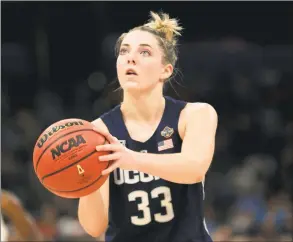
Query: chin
(130, 84)
(133, 89)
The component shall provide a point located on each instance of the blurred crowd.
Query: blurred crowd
(248, 186)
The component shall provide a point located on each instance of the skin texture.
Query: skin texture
(141, 53)
(142, 109)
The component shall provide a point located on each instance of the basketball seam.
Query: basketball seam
(76, 190)
(65, 167)
(37, 164)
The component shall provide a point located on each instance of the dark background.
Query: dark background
(58, 62)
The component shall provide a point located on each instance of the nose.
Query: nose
(131, 59)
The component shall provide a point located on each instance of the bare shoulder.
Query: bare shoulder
(198, 114)
(198, 110)
(203, 110)
(100, 124)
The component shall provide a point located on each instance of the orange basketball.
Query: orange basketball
(66, 161)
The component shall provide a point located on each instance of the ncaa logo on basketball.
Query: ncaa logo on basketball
(54, 130)
(167, 132)
(67, 146)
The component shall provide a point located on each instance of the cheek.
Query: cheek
(119, 66)
(153, 69)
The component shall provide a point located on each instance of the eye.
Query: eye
(123, 51)
(145, 53)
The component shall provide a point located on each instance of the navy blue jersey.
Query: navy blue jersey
(144, 207)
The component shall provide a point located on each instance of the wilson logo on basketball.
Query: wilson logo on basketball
(54, 130)
(67, 145)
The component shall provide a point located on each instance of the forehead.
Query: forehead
(138, 37)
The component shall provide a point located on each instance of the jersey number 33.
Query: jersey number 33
(143, 201)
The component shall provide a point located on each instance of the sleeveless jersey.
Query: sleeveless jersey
(144, 207)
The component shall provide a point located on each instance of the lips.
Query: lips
(131, 72)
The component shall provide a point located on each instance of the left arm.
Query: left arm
(187, 167)
(191, 164)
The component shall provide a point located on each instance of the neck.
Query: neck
(147, 107)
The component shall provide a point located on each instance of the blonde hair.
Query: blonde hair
(165, 29)
(168, 27)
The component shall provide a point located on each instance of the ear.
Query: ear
(167, 71)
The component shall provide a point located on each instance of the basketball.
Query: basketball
(66, 161)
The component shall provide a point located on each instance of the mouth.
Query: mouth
(131, 72)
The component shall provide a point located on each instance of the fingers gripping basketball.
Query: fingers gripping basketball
(66, 161)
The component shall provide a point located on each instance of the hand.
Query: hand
(120, 156)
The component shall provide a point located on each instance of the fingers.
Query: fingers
(114, 156)
(114, 148)
(111, 168)
(109, 147)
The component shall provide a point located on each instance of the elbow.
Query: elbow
(92, 228)
(95, 231)
(196, 179)
(193, 179)
(196, 172)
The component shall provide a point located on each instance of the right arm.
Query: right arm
(93, 208)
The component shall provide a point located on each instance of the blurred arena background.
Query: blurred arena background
(58, 62)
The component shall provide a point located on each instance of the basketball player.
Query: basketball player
(161, 148)
(23, 223)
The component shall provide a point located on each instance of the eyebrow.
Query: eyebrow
(145, 45)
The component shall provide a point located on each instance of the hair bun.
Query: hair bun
(162, 23)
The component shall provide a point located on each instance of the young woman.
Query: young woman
(161, 148)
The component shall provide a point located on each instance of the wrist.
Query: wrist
(136, 160)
